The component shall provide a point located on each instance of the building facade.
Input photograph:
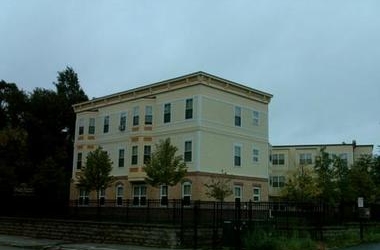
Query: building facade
(217, 125)
(286, 159)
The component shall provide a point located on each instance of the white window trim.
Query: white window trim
(234, 153)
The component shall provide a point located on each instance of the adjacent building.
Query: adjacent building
(285, 159)
(217, 125)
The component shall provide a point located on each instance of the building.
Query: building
(286, 159)
(217, 125)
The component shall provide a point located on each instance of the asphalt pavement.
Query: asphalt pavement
(9, 241)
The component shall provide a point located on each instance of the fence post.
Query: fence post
(195, 226)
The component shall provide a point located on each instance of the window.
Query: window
(91, 127)
(81, 127)
(305, 159)
(186, 193)
(123, 121)
(121, 157)
(164, 195)
(189, 109)
(188, 151)
(147, 153)
(344, 158)
(139, 195)
(135, 116)
(256, 194)
(83, 198)
(255, 155)
(256, 118)
(106, 124)
(278, 159)
(119, 195)
(148, 115)
(238, 192)
(134, 155)
(167, 112)
(237, 156)
(79, 160)
(102, 197)
(238, 116)
(277, 181)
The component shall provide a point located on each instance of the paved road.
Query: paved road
(12, 248)
(375, 246)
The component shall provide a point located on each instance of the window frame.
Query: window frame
(123, 121)
(81, 126)
(188, 152)
(79, 160)
(134, 155)
(148, 115)
(91, 126)
(136, 116)
(237, 116)
(256, 196)
(121, 158)
(255, 155)
(189, 106)
(167, 112)
(119, 195)
(256, 118)
(186, 190)
(238, 196)
(106, 124)
(147, 153)
(237, 157)
(305, 158)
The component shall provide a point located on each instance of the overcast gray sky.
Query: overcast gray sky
(320, 59)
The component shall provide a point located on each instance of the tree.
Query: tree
(219, 188)
(164, 167)
(326, 178)
(301, 186)
(96, 173)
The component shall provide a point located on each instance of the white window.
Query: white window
(121, 158)
(188, 151)
(123, 121)
(81, 126)
(186, 193)
(255, 155)
(189, 109)
(134, 158)
(238, 193)
(148, 115)
(119, 195)
(238, 116)
(83, 197)
(135, 121)
(256, 118)
(79, 160)
(278, 159)
(306, 159)
(277, 181)
(147, 153)
(139, 195)
(256, 194)
(106, 124)
(237, 155)
(164, 195)
(102, 197)
(91, 127)
(167, 112)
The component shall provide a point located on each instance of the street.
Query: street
(374, 246)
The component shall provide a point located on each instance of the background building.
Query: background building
(216, 124)
(285, 159)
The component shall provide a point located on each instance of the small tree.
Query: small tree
(219, 188)
(96, 173)
(301, 186)
(164, 167)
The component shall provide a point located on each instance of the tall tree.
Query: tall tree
(164, 167)
(96, 173)
(219, 187)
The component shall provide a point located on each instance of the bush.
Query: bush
(261, 240)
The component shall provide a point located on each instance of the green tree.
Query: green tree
(326, 178)
(95, 175)
(301, 186)
(164, 167)
(360, 180)
(219, 188)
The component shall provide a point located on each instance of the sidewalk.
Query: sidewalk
(33, 243)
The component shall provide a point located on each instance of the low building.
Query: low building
(217, 125)
(285, 159)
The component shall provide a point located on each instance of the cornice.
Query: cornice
(151, 90)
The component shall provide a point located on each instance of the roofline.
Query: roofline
(322, 145)
(200, 74)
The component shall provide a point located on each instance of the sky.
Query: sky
(320, 59)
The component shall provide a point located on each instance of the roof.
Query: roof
(322, 145)
(192, 79)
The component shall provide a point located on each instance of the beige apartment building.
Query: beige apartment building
(286, 159)
(217, 125)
